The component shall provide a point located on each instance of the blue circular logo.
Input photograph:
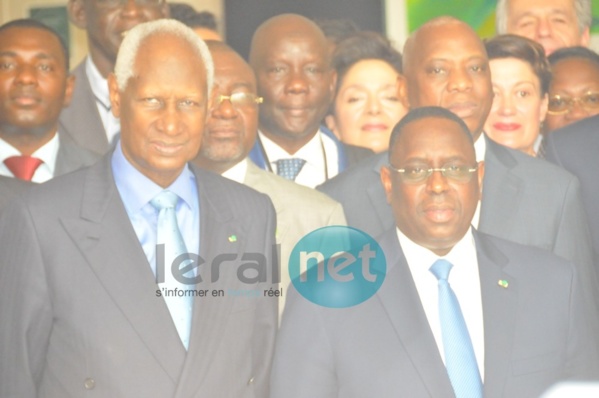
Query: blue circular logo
(337, 266)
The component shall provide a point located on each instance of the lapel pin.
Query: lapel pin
(503, 283)
(233, 238)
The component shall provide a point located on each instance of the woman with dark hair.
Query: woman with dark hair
(369, 97)
(520, 74)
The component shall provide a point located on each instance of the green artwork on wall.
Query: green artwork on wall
(480, 14)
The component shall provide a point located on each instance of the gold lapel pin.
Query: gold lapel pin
(233, 238)
(503, 283)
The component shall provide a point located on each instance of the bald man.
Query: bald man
(525, 200)
(291, 58)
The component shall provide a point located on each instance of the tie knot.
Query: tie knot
(289, 168)
(23, 166)
(441, 269)
(164, 200)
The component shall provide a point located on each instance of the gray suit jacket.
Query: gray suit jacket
(525, 200)
(576, 148)
(78, 300)
(300, 210)
(70, 157)
(535, 333)
(81, 119)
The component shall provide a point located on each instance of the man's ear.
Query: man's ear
(585, 37)
(115, 95)
(387, 183)
(68, 90)
(402, 92)
(76, 11)
(480, 176)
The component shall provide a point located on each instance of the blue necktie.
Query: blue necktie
(167, 233)
(289, 168)
(460, 360)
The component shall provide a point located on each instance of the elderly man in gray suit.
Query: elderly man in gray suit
(230, 133)
(460, 313)
(35, 86)
(525, 200)
(141, 276)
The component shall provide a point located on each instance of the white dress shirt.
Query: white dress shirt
(47, 153)
(99, 86)
(237, 172)
(464, 280)
(320, 148)
(480, 149)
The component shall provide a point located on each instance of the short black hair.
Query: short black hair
(573, 52)
(191, 18)
(424, 113)
(337, 30)
(35, 24)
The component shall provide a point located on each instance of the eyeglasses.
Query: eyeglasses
(240, 100)
(561, 104)
(418, 174)
(121, 3)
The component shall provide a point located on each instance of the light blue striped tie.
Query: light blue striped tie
(179, 302)
(289, 168)
(460, 360)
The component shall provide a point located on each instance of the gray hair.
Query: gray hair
(581, 7)
(125, 60)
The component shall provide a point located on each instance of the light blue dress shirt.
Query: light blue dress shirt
(136, 191)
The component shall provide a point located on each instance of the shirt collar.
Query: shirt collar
(137, 190)
(480, 148)
(47, 152)
(237, 173)
(311, 152)
(98, 83)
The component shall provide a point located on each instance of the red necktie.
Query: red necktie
(23, 166)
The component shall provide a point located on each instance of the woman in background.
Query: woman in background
(520, 74)
(369, 97)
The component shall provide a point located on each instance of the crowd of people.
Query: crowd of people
(152, 199)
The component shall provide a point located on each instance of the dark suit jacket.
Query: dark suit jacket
(525, 200)
(78, 300)
(347, 155)
(535, 333)
(81, 119)
(70, 157)
(576, 148)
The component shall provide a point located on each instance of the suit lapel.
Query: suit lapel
(502, 191)
(401, 301)
(499, 291)
(107, 240)
(217, 227)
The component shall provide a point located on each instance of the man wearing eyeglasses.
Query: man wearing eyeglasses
(89, 119)
(525, 200)
(572, 96)
(230, 132)
(460, 313)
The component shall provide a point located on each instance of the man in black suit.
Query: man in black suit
(35, 85)
(525, 325)
(525, 200)
(291, 58)
(89, 120)
(576, 149)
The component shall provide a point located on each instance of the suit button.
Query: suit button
(251, 381)
(89, 383)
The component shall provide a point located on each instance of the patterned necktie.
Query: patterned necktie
(289, 168)
(23, 166)
(460, 360)
(174, 292)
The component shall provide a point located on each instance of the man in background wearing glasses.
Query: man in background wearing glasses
(460, 313)
(89, 120)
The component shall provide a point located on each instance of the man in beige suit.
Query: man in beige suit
(229, 135)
